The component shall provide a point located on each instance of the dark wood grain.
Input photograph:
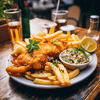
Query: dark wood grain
(94, 92)
(12, 90)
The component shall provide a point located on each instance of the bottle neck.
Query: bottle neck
(94, 24)
(21, 4)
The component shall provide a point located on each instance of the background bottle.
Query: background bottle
(93, 30)
(25, 19)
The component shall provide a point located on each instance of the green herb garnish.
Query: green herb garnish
(71, 51)
(87, 58)
(37, 72)
(62, 70)
(55, 63)
(53, 74)
(50, 66)
(42, 72)
(67, 50)
(26, 64)
(66, 59)
(36, 56)
(72, 54)
(63, 56)
(31, 54)
(32, 45)
(79, 60)
(56, 42)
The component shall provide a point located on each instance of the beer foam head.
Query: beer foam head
(14, 23)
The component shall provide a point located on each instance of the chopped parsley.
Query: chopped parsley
(79, 60)
(66, 59)
(55, 63)
(62, 70)
(42, 72)
(50, 66)
(72, 54)
(26, 64)
(56, 42)
(63, 56)
(36, 56)
(67, 50)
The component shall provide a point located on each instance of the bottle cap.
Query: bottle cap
(94, 16)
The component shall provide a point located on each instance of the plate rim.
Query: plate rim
(54, 86)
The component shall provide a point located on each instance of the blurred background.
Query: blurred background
(44, 8)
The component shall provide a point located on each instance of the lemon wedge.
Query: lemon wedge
(89, 44)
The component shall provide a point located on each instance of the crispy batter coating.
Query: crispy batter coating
(37, 58)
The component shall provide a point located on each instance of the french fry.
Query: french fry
(73, 37)
(23, 44)
(77, 38)
(28, 73)
(52, 30)
(56, 72)
(70, 40)
(70, 44)
(26, 41)
(16, 45)
(41, 75)
(18, 50)
(47, 68)
(41, 34)
(51, 36)
(74, 73)
(69, 34)
(52, 78)
(64, 74)
(45, 82)
(68, 70)
(29, 77)
(62, 36)
(35, 37)
(63, 40)
(76, 42)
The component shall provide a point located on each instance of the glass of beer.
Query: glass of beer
(13, 18)
(60, 17)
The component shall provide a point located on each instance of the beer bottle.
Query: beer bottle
(25, 19)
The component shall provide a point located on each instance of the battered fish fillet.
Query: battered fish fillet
(37, 58)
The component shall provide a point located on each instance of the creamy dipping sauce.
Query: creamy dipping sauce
(76, 56)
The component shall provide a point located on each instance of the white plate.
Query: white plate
(82, 76)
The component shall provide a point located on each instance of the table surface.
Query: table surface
(89, 89)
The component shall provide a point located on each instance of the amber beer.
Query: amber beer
(61, 22)
(60, 17)
(15, 31)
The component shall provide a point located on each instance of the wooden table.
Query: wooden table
(11, 90)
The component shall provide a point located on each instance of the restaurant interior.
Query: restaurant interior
(44, 8)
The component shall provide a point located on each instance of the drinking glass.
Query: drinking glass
(60, 17)
(13, 18)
